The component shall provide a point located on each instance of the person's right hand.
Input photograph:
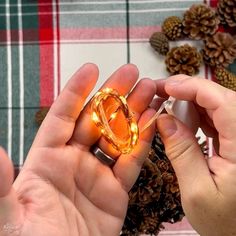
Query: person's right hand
(208, 186)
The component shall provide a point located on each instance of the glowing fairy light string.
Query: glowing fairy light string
(102, 122)
(100, 119)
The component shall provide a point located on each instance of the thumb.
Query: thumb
(185, 155)
(6, 174)
(9, 206)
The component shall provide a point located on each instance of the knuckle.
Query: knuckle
(181, 149)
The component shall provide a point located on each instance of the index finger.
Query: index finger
(219, 102)
(203, 92)
(60, 121)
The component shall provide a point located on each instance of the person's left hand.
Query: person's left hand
(63, 189)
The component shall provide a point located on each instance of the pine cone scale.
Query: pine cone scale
(227, 12)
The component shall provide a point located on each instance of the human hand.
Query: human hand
(63, 189)
(208, 186)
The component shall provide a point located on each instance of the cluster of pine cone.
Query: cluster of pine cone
(201, 22)
(155, 197)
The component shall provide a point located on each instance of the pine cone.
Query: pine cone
(227, 12)
(225, 78)
(149, 186)
(160, 43)
(219, 50)
(200, 21)
(169, 205)
(183, 60)
(141, 220)
(172, 27)
(151, 222)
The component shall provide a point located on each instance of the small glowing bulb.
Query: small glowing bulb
(134, 127)
(113, 116)
(135, 139)
(95, 117)
(97, 103)
(107, 90)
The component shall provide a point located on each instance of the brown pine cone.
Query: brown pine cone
(159, 42)
(172, 27)
(225, 78)
(183, 60)
(151, 222)
(169, 205)
(150, 185)
(227, 12)
(141, 220)
(219, 50)
(200, 21)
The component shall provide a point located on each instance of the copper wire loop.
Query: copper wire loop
(100, 119)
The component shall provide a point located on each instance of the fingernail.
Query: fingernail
(176, 79)
(173, 82)
(166, 125)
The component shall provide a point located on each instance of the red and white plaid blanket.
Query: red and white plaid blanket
(43, 42)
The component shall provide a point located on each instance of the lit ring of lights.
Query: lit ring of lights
(99, 118)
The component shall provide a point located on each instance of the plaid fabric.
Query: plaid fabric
(43, 42)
